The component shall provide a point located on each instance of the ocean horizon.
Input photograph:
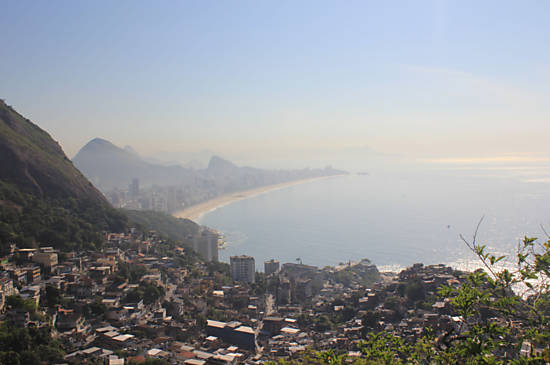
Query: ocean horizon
(394, 217)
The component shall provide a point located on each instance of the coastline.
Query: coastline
(196, 211)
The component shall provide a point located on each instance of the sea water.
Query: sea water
(395, 217)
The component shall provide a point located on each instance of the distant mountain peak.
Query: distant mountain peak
(105, 148)
(100, 142)
(218, 163)
(110, 166)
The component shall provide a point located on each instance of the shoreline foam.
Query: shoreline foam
(197, 211)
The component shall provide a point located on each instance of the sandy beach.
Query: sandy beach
(196, 211)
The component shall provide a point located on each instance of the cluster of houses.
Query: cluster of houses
(94, 306)
(140, 298)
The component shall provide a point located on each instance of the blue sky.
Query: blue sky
(426, 79)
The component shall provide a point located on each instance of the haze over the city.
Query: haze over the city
(285, 83)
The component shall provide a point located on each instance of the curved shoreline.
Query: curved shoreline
(196, 211)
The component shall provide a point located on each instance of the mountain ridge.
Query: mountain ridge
(109, 166)
(44, 198)
(26, 148)
(112, 169)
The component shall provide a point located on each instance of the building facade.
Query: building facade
(271, 267)
(243, 268)
(205, 243)
(47, 259)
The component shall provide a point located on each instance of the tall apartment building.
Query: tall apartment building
(243, 268)
(134, 188)
(271, 267)
(205, 243)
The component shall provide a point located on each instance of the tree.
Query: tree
(17, 302)
(323, 323)
(53, 295)
(415, 290)
(488, 302)
(28, 346)
(149, 292)
(370, 319)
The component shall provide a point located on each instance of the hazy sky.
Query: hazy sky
(427, 79)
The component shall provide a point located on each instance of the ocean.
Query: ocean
(395, 217)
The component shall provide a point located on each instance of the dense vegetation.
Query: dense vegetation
(147, 292)
(30, 345)
(28, 220)
(27, 346)
(169, 226)
(44, 199)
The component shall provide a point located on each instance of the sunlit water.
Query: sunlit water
(393, 217)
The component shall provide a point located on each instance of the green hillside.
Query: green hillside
(44, 199)
(176, 229)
